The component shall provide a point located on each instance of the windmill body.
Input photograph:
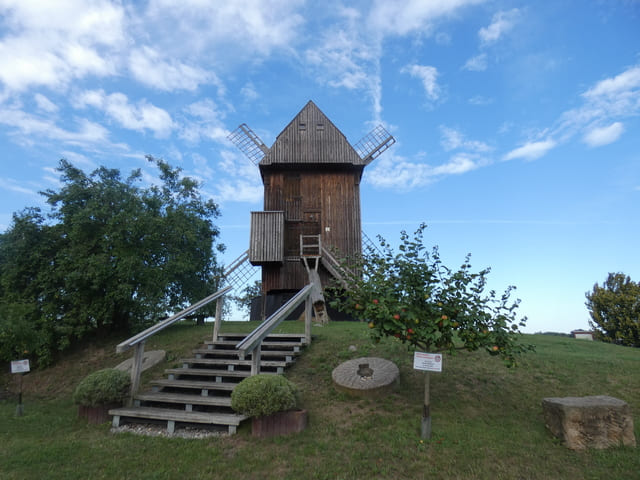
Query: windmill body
(311, 178)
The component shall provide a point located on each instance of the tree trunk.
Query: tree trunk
(425, 427)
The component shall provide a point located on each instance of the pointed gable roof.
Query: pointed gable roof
(311, 138)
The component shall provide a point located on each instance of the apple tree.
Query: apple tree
(412, 296)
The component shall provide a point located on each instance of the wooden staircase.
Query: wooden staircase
(199, 393)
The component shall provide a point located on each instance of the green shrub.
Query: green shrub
(264, 394)
(103, 387)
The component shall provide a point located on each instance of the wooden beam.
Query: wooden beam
(136, 369)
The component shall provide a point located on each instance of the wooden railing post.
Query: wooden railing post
(255, 360)
(218, 319)
(308, 313)
(136, 369)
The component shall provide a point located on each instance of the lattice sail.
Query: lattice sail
(374, 143)
(240, 272)
(248, 143)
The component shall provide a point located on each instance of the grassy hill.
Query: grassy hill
(487, 419)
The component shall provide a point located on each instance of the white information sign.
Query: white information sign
(20, 366)
(430, 362)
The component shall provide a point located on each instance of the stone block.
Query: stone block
(589, 422)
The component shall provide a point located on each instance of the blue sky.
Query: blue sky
(517, 123)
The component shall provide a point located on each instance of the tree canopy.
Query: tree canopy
(615, 310)
(110, 255)
(413, 296)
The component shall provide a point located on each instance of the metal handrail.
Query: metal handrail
(255, 338)
(142, 336)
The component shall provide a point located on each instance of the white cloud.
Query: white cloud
(428, 76)
(28, 128)
(348, 54)
(239, 191)
(237, 165)
(457, 165)
(44, 104)
(51, 43)
(599, 136)
(203, 121)
(410, 16)
(480, 100)
(401, 174)
(621, 84)
(343, 59)
(139, 117)
(243, 184)
(477, 63)
(531, 150)
(607, 102)
(150, 69)
(15, 187)
(348, 57)
(202, 167)
(235, 30)
(452, 139)
(249, 92)
(501, 23)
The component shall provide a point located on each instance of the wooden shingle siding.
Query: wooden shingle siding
(267, 237)
(311, 138)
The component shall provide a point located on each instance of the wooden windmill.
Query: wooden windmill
(311, 177)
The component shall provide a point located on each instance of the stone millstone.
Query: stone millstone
(589, 422)
(366, 376)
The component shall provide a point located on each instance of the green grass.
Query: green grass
(487, 419)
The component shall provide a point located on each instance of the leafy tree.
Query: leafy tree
(615, 310)
(248, 294)
(412, 296)
(111, 256)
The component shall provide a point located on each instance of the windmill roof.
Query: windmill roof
(311, 138)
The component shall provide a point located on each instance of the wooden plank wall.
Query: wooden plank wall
(325, 202)
(266, 240)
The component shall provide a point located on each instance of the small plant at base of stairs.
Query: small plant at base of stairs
(263, 395)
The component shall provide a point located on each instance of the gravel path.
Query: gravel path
(161, 431)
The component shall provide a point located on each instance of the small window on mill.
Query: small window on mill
(302, 126)
(320, 127)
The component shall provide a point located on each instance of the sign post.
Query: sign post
(20, 367)
(427, 362)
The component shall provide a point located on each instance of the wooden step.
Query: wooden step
(233, 362)
(289, 336)
(217, 379)
(185, 399)
(195, 384)
(265, 344)
(208, 372)
(236, 353)
(231, 420)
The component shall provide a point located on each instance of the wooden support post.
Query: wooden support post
(218, 319)
(136, 369)
(425, 427)
(255, 360)
(308, 313)
(20, 407)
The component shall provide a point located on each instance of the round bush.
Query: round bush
(264, 394)
(103, 387)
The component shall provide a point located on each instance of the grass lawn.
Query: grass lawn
(487, 419)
